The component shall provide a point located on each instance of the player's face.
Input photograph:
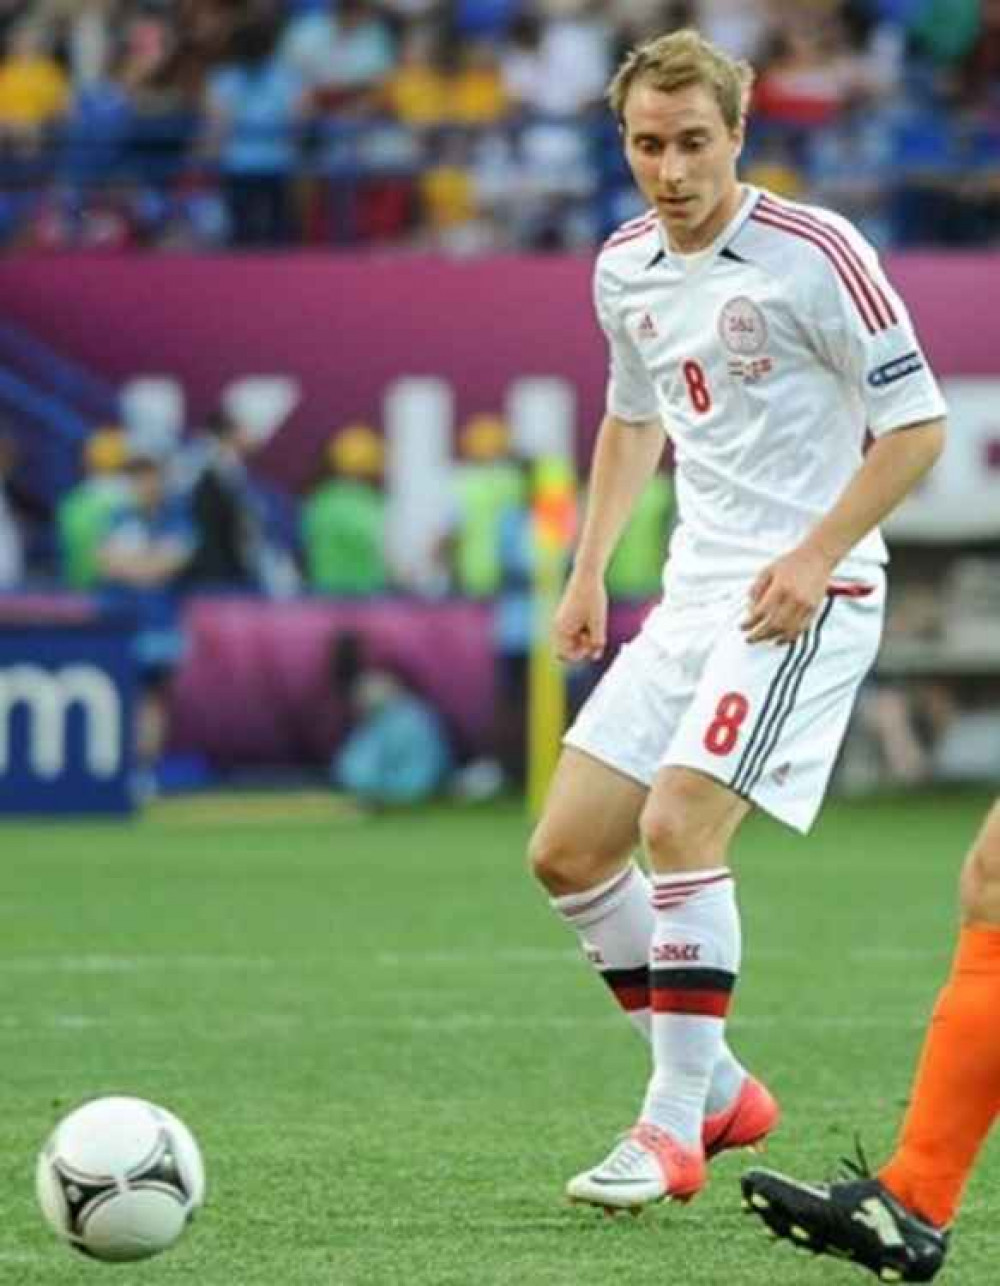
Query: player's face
(683, 158)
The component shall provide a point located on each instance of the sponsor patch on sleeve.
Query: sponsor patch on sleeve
(897, 369)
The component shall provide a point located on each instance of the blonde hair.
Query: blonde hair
(684, 58)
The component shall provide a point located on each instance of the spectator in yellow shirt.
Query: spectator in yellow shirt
(34, 89)
(477, 95)
(417, 91)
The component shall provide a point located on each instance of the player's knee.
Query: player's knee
(565, 862)
(667, 830)
(980, 882)
(555, 861)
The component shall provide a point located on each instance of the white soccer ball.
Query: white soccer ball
(120, 1178)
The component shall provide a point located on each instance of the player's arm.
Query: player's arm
(167, 560)
(625, 458)
(787, 593)
(142, 568)
(892, 468)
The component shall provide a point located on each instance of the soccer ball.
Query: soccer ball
(120, 1178)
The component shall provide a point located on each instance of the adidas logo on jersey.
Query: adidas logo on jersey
(647, 327)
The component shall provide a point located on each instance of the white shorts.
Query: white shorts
(765, 719)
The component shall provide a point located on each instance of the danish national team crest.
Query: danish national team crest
(742, 327)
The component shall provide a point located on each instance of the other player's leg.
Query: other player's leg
(956, 1095)
(895, 1224)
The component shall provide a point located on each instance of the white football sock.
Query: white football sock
(614, 921)
(694, 961)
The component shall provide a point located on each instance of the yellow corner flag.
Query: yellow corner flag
(553, 529)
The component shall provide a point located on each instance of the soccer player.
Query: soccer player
(896, 1222)
(765, 339)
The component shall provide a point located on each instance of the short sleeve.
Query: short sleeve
(631, 395)
(862, 329)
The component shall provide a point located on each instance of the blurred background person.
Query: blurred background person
(11, 537)
(343, 52)
(397, 750)
(254, 105)
(228, 532)
(34, 88)
(514, 622)
(141, 559)
(85, 513)
(488, 481)
(343, 520)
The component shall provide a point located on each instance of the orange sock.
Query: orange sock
(956, 1094)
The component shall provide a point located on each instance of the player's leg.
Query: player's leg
(582, 854)
(892, 1224)
(763, 727)
(582, 849)
(956, 1093)
(687, 826)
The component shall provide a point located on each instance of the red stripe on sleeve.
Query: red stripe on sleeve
(863, 307)
(843, 253)
(850, 252)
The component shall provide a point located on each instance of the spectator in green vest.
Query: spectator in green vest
(85, 514)
(487, 482)
(343, 521)
(637, 567)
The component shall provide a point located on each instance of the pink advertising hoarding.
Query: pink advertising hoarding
(347, 326)
(256, 687)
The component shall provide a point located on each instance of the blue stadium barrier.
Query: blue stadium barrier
(67, 698)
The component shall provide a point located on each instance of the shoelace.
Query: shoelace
(856, 1167)
(627, 1155)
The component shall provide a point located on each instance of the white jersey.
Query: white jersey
(766, 357)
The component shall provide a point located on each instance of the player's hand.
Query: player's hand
(580, 626)
(785, 596)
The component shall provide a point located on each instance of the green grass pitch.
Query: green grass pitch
(393, 1056)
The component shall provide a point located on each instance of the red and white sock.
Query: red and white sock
(693, 964)
(615, 922)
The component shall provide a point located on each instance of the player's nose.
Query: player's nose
(672, 169)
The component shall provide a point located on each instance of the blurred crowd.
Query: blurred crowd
(244, 535)
(143, 528)
(148, 524)
(469, 125)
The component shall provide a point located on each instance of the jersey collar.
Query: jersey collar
(751, 195)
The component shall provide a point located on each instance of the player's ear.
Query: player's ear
(738, 138)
